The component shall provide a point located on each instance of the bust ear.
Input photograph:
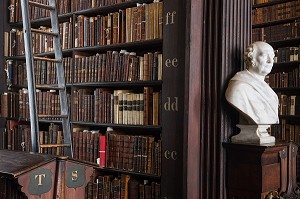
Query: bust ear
(251, 53)
(249, 57)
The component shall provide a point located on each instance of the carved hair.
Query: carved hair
(248, 56)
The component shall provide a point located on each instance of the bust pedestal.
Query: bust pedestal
(256, 134)
(254, 170)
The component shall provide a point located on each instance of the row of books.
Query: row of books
(44, 72)
(284, 79)
(65, 6)
(111, 66)
(113, 149)
(16, 105)
(118, 150)
(254, 2)
(89, 145)
(118, 106)
(287, 54)
(125, 187)
(286, 131)
(16, 137)
(41, 43)
(289, 105)
(276, 32)
(35, 12)
(10, 104)
(143, 22)
(118, 66)
(276, 12)
(103, 106)
(133, 153)
(87, 4)
(53, 135)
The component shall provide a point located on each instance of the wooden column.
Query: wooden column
(172, 105)
(218, 32)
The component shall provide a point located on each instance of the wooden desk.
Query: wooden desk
(41, 176)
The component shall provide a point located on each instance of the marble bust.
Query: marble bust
(254, 99)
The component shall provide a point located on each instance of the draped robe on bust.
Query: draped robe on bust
(253, 97)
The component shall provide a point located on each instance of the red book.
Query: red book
(102, 150)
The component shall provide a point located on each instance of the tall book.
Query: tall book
(102, 150)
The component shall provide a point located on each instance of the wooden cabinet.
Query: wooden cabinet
(254, 170)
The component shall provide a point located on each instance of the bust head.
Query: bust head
(259, 58)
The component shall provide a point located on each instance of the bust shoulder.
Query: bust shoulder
(235, 89)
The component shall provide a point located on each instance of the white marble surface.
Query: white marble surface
(256, 134)
(249, 94)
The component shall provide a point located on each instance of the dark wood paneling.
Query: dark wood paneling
(192, 133)
(219, 32)
(172, 180)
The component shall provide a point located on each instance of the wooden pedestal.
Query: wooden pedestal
(253, 170)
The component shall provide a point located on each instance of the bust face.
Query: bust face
(263, 56)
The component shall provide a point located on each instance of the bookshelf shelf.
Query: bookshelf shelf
(270, 3)
(40, 120)
(16, 87)
(66, 52)
(50, 121)
(121, 84)
(45, 21)
(272, 23)
(284, 43)
(143, 175)
(286, 64)
(110, 8)
(290, 116)
(133, 46)
(137, 45)
(118, 126)
(288, 89)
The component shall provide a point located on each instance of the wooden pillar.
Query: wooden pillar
(218, 31)
(173, 100)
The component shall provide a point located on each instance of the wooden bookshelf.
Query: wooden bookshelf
(144, 133)
(272, 23)
(139, 175)
(270, 3)
(111, 8)
(287, 70)
(284, 43)
(136, 84)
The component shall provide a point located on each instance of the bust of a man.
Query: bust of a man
(249, 93)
